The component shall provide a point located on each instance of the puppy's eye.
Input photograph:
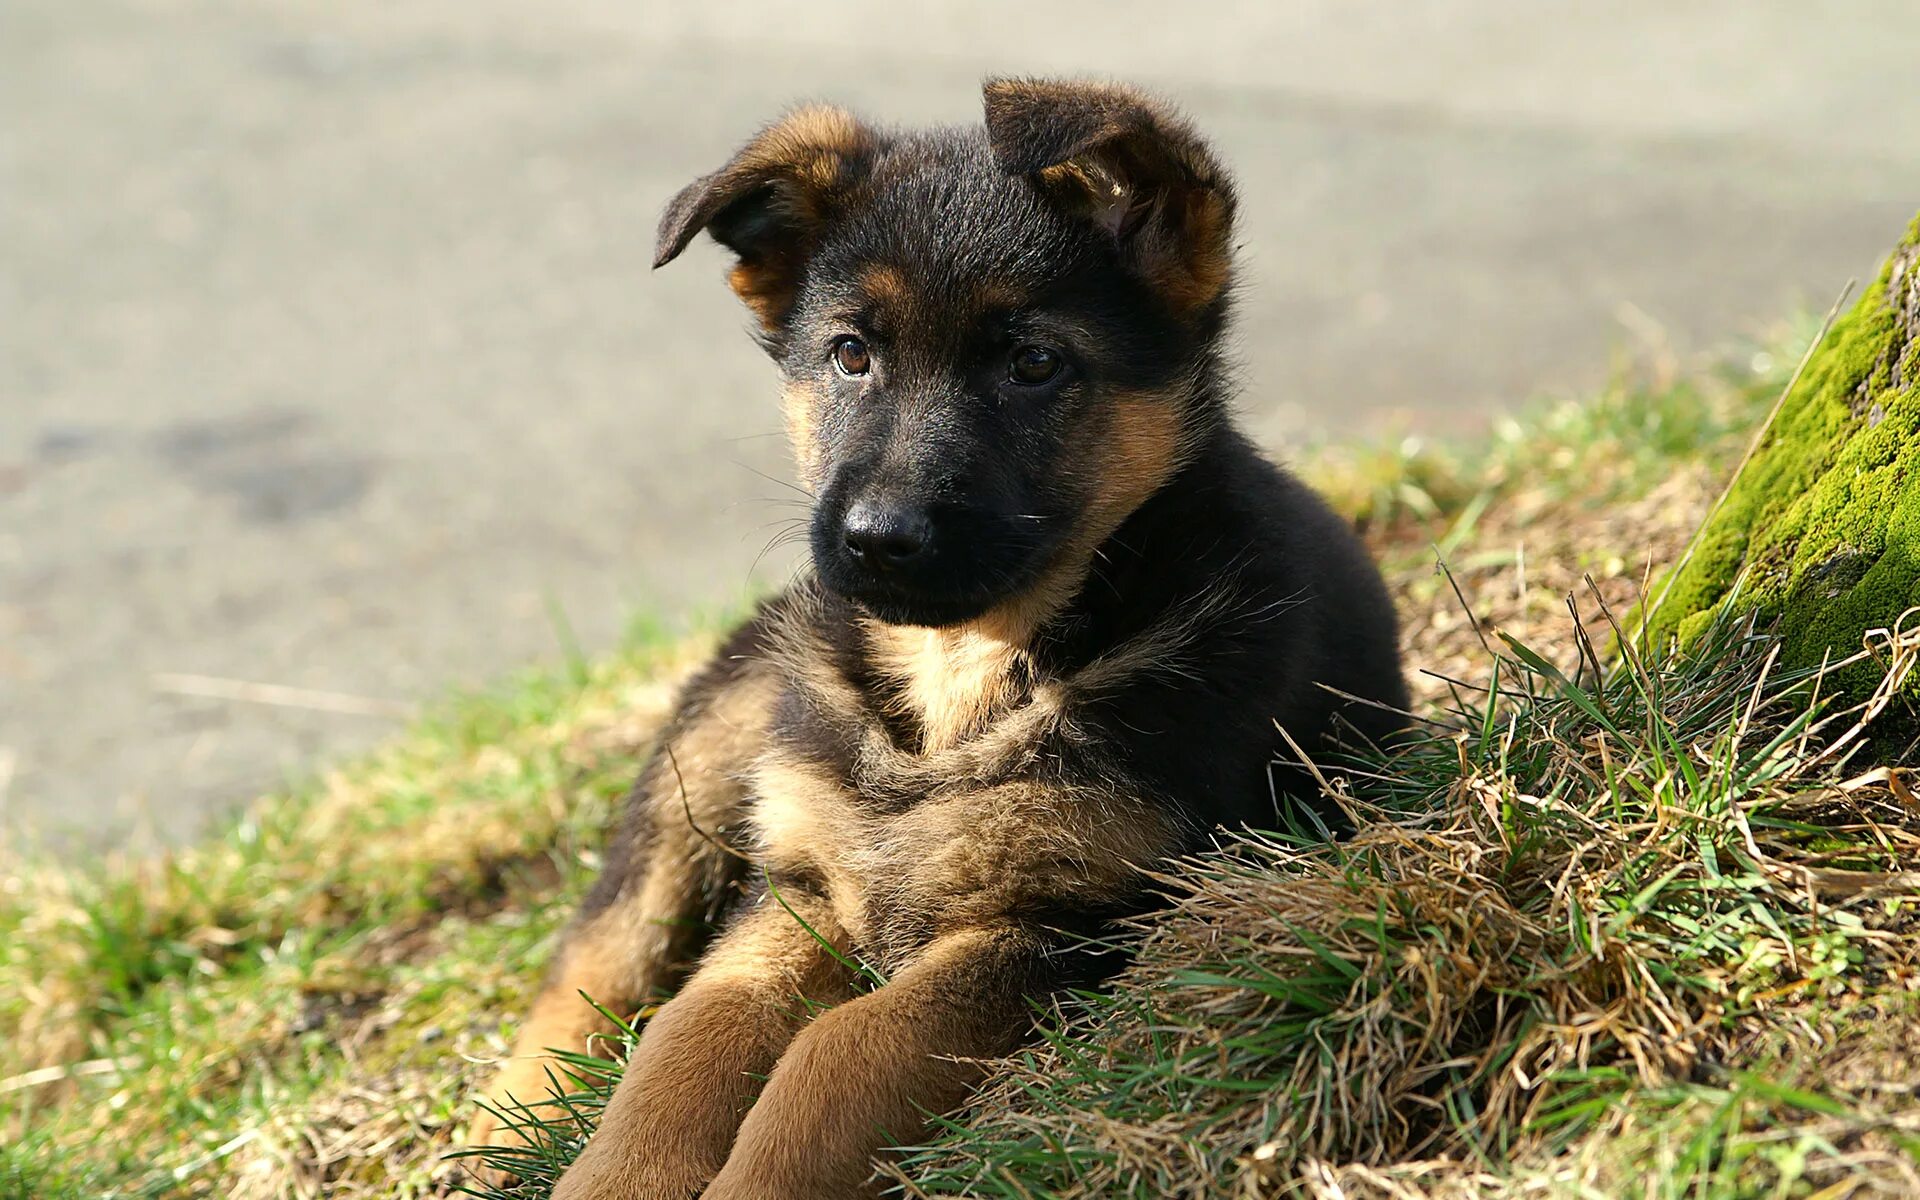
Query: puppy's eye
(850, 357)
(1033, 365)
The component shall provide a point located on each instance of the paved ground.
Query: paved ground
(329, 357)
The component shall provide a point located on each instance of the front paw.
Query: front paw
(791, 1187)
(487, 1131)
(615, 1168)
(522, 1095)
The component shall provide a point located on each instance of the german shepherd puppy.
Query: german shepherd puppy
(1058, 606)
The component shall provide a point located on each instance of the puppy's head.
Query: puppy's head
(994, 340)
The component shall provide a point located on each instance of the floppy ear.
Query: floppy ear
(769, 204)
(1130, 165)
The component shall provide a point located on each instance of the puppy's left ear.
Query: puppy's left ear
(1132, 166)
(770, 202)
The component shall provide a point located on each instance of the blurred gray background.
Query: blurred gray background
(330, 360)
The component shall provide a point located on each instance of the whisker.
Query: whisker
(786, 537)
(774, 479)
(775, 501)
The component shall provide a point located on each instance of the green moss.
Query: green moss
(1820, 533)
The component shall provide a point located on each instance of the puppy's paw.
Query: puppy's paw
(522, 1085)
(489, 1131)
(616, 1168)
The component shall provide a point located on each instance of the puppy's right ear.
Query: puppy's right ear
(770, 203)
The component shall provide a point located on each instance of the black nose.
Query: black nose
(883, 536)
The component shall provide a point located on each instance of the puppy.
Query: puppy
(1058, 607)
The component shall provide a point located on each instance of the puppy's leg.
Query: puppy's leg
(863, 1075)
(701, 1058)
(665, 880)
(620, 956)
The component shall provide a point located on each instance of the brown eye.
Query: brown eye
(850, 357)
(1033, 365)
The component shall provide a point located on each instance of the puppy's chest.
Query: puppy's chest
(897, 873)
(905, 847)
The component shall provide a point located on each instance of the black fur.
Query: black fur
(1308, 611)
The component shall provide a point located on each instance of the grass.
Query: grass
(1617, 926)
(214, 1010)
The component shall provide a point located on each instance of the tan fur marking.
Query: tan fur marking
(671, 1122)
(811, 147)
(1193, 276)
(799, 404)
(886, 285)
(816, 1126)
(723, 740)
(815, 130)
(806, 822)
(618, 958)
(1143, 447)
(951, 680)
(971, 857)
(765, 286)
(1096, 187)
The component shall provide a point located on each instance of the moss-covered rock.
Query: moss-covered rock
(1823, 522)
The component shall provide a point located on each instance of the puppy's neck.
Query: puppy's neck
(951, 682)
(947, 682)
